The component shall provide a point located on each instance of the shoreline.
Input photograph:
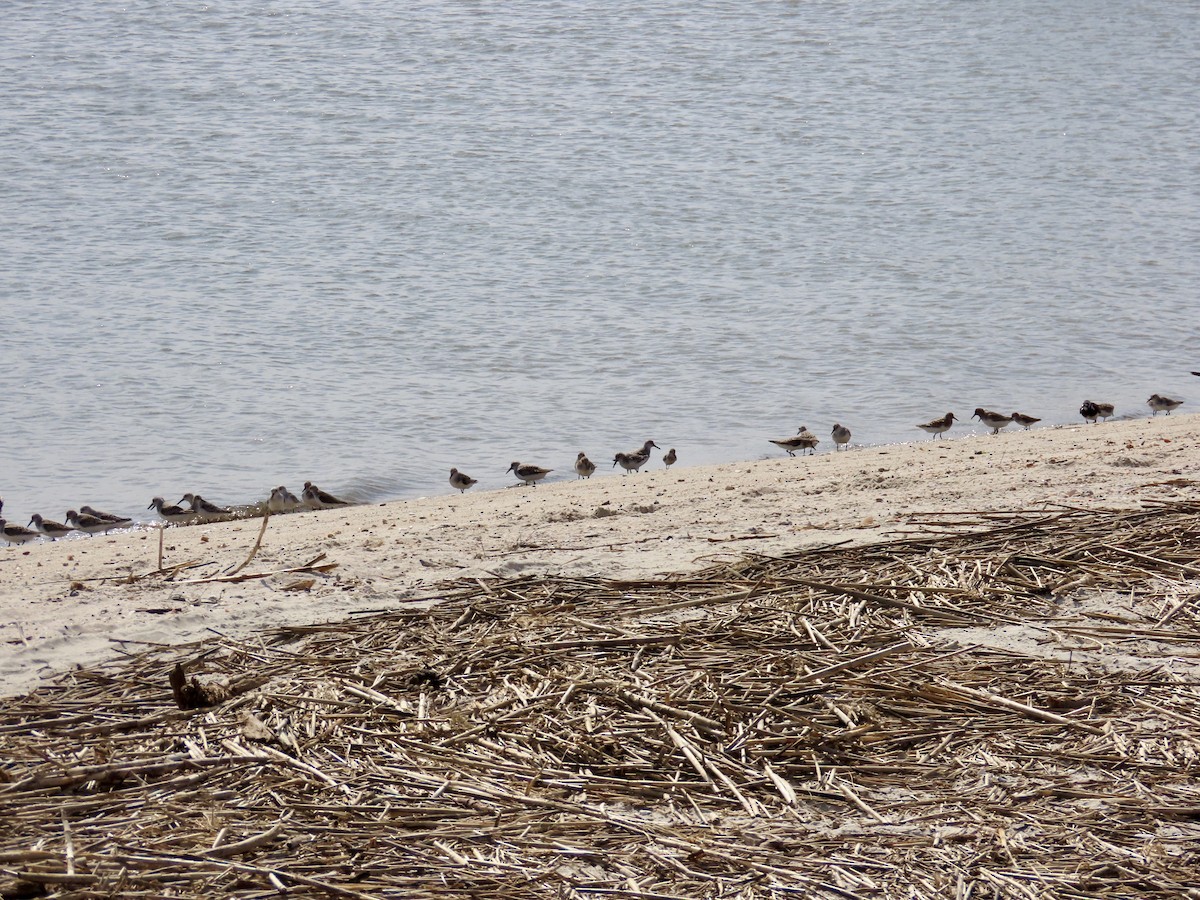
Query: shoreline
(82, 601)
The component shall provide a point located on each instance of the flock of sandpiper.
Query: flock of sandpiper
(199, 510)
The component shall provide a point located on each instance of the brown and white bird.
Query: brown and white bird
(204, 509)
(528, 473)
(315, 498)
(118, 521)
(1025, 421)
(801, 440)
(52, 530)
(176, 515)
(635, 459)
(992, 420)
(584, 467)
(841, 436)
(938, 427)
(460, 481)
(1159, 403)
(16, 534)
(283, 501)
(90, 524)
(669, 458)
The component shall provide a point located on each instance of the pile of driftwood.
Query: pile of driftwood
(1000, 706)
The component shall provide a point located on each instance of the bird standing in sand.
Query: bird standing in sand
(669, 458)
(992, 420)
(938, 427)
(176, 515)
(841, 436)
(584, 467)
(528, 473)
(117, 521)
(283, 501)
(460, 481)
(635, 459)
(90, 524)
(52, 530)
(1159, 403)
(801, 440)
(205, 510)
(16, 534)
(316, 498)
(1025, 421)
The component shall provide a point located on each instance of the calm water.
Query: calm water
(361, 242)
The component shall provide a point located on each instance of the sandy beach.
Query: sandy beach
(83, 600)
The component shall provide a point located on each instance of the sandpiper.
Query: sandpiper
(801, 440)
(1106, 410)
(584, 467)
(460, 481)
(992, 420)
(176, 515)
(16, 534)
(118, 521)
(635, 459)
(669, 458)
(841, 436)
(283, 501)
(316, 498)
(528, 473)
(938, 427)
(1025, 421)
(205, 510)
(90, 524)
(53, 530)
(1158, 402)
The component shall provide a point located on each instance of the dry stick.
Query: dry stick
(250, 843)
(858, 801)
(856, 661)
(1154, 559)
(699, 722)
(258, 543)
(307, 567)
(1014, 706)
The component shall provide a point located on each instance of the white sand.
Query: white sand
(655, 522)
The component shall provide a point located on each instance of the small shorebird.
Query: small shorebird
(283, 501)
(1025, 421)
(316, 498)
(528, 473)
(634, 460)
(52, 530)
(938, 427)
(176, 515)
(1090, 411)
(118, 521)
(584, 467)
(16, 534)
(1105, 410)
(90, 524)
(204, 509)
(460, 481)
(841, 436)
(669, 458)
(992, 420)
(801, 440)
(1158, 402)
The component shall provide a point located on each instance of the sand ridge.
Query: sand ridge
(81, 600)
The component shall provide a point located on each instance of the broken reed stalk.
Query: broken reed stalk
(266, 517)
(781, 724)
